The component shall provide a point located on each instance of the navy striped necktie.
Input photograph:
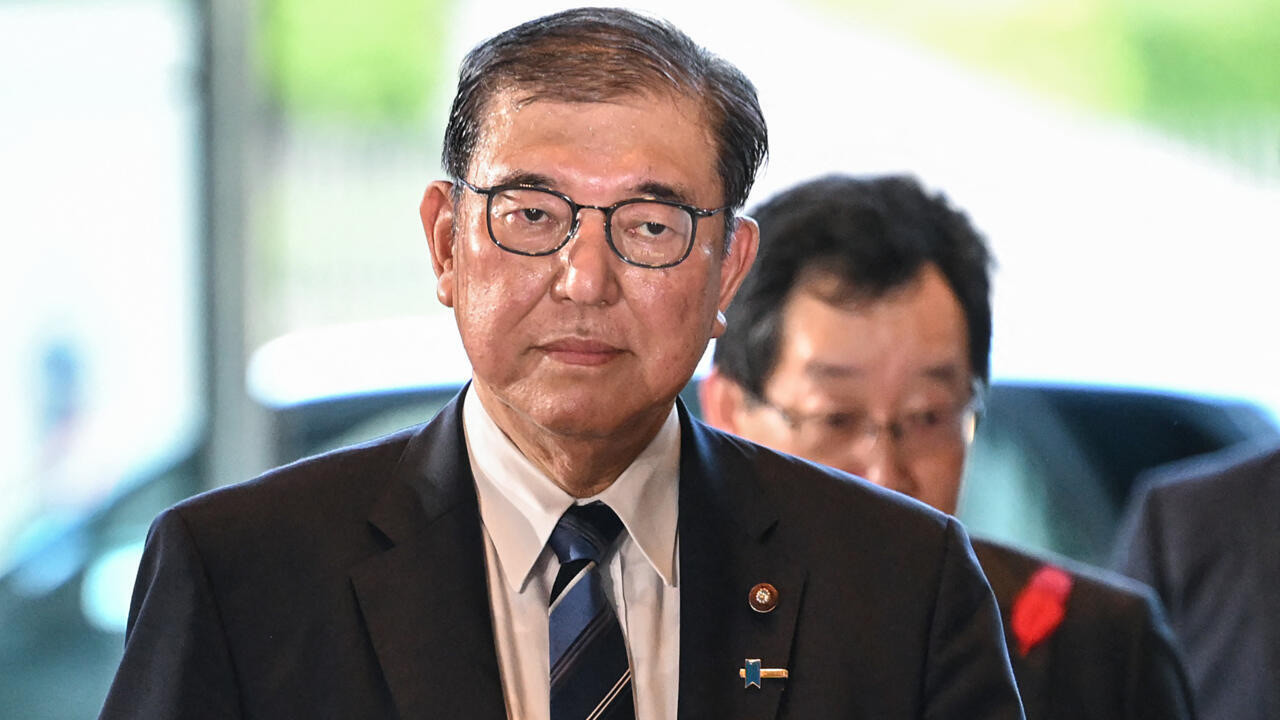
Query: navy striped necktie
(590, 674)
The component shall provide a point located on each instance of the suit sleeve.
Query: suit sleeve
(968, 675)
(176, 661)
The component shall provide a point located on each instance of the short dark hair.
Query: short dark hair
(600, 54)
(874, 235)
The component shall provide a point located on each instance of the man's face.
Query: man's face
(579, 343)
(876, 388)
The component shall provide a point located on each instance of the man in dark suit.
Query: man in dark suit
(564, 540)
(1205, 533)
(861, 340)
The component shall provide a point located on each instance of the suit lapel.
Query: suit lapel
(728, 544)
(1008, 575)
(425, 599)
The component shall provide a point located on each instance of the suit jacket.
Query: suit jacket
(352, 585)
(1205, 533)
(1111, 658)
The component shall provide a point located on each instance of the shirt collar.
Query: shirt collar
(520, 505)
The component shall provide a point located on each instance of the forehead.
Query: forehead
(627, 141)
(915, 333)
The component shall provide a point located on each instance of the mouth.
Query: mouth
(581, 351)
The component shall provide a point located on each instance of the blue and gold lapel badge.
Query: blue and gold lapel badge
(752, 673)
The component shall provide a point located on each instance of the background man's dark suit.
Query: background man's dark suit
(1112, 656)
(353, 585)
(1205, 533)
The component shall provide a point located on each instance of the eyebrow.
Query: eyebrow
(946, 372)
(648, 188)
(662, 191)
(521, 177)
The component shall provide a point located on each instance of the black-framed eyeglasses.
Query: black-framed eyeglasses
(535, 221)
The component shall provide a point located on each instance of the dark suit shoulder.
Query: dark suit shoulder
(1010, 569)
(1237, 474)
(338, 483)
(265, 587)
(305, 520)
(1186, 516)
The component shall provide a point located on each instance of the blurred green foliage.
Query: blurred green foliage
(371, 62)
(1187, 65)
(1178, 63)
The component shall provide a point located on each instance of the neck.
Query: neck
(582, 463)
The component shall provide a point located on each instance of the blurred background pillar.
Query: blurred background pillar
(238, 429)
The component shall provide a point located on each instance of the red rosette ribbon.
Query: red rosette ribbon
(1039, 608)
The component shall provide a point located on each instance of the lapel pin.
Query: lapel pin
(752, 673)
(763, 597)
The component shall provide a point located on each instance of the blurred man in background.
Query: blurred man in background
(861, 340)
(1205, 533)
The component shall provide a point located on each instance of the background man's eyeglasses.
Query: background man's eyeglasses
(916, 433)
(536, 221)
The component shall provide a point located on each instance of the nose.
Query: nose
(588, 271)
(879, 461)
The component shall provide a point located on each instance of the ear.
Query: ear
(734, 267)
(721, 400)
(437, 215)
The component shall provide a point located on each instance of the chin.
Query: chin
(598, 417)
(572, 422)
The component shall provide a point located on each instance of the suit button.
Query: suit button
(763, 598)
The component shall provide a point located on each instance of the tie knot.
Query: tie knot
(584, 532)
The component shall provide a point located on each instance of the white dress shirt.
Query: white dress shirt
(519, 507)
